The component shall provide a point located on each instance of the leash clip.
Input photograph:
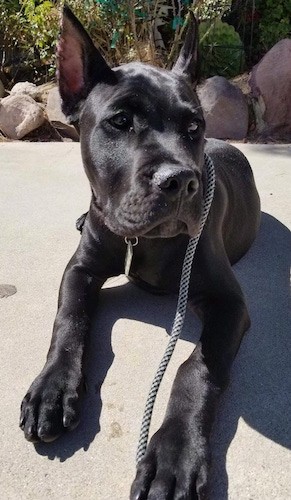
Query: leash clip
(130, 242)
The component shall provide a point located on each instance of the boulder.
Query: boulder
(57, 117)
(19, 115)
(26, 88)
(225, 109)
(270, 83)
(38, 92)
(43, 91)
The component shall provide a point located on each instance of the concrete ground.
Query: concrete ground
(43, 190)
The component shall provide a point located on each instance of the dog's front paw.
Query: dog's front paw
(175, 466)
(51, 405)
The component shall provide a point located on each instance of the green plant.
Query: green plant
(123, 30)
(211, 9)
(42, 20)
(275, 22)
(222, 51)
(29, 36)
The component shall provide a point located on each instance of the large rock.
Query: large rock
(270, 83)
(43, 91)
(38, 92)
(225, 109)
(57, 117)
(19, 115)
(26, 88)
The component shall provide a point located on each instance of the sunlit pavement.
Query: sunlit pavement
(43, 191)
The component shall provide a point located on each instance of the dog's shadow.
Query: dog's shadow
(260, 383)
(259, 390)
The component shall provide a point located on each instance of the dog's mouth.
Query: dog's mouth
(167, 228)
(153, 218)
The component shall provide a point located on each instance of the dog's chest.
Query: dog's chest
(157, 264)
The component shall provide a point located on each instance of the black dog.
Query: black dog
(142, 141)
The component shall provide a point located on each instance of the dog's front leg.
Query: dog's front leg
(52, 403)
(176, 463)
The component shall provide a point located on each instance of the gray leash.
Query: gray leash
(180, 312)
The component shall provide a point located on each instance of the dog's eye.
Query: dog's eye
(122, 121)
(193, 128)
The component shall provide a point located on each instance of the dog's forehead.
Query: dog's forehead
(144, 72)
(145, 86)
(156, 83)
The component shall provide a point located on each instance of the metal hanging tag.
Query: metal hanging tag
(129, 253)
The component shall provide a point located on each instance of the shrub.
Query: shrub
(29, 32)
(275, 22)
(123, 29)
(222, 51)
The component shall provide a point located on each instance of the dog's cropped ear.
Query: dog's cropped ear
(79, 65)
(187, 62)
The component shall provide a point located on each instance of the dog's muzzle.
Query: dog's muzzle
(161, 201)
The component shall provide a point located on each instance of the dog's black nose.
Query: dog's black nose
(175, 181)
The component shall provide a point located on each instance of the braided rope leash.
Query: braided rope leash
(180, 312)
